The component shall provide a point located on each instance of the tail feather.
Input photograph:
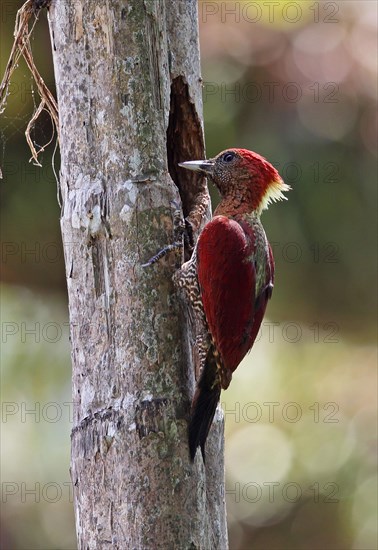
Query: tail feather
(204, 405)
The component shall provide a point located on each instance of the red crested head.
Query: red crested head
(246, 181)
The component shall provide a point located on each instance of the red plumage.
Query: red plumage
(231, 274)
(227, 284)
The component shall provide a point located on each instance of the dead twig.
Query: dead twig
(21, 47)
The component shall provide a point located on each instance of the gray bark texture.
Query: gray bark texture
(129, 95)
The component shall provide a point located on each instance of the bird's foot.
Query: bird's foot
(163, 252)
(183, 234)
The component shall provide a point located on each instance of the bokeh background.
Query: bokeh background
(297, 82)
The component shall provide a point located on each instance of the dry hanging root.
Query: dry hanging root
(21, 47)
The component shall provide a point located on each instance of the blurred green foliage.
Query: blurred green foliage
(298, 86)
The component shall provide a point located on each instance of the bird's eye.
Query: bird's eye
(228, 157)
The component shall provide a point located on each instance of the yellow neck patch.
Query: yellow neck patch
(275, 192)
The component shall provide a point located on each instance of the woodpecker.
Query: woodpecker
(229, 278)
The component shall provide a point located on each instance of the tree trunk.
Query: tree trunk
(129, 96)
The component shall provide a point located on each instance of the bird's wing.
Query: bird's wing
(262, 299)
(226, 275)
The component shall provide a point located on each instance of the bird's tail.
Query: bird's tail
(204, 405)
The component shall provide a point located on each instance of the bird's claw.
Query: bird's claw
(183, 233)
(163, 252)
(178, 230)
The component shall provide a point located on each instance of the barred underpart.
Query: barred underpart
(186, 279)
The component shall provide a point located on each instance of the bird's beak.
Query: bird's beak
(205, 166)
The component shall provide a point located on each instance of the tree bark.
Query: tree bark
(129, 97)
